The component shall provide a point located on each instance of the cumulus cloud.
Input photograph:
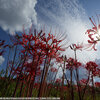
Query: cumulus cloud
(16, 13)
(69, 16)
(1, 60)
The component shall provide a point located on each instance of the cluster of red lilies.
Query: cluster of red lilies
(36, 63)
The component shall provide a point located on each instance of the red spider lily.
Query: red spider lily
(91, 45)
(50, 85)
(97, 84)
(98, 72)
(72, 63)
(59, 59)
(93, 33)
(38, 47)
(77, 64)
(40, 43)
(30, 68)
(51, 46)
(58, 81)
(36, 85)
(65, 88)
(92, 67)
(77, 46)
(83, 81)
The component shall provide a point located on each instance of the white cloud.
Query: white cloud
(1, 60)
(16, 13)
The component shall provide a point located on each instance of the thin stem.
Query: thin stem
(32, 84)
(77, 78)
(93, 89)
(85, 86)
(72, 92)
(39, 94)
(17, 83)
(21, 89)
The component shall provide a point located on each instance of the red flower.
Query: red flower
(72, 63)
(77, 64)
(38, 47)
(59, 59)
(36, 85)
(77, 46)
(93, 34)
(97, 84)
(92, 67)
(83, 81)
(58, 80)
(65, 88)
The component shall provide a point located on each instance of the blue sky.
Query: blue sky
(91, 6)
(70, 16)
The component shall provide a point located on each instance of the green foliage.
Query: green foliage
(53, 92)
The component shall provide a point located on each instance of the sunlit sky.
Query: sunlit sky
(70, 16)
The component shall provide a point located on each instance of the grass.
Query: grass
(53, 92)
